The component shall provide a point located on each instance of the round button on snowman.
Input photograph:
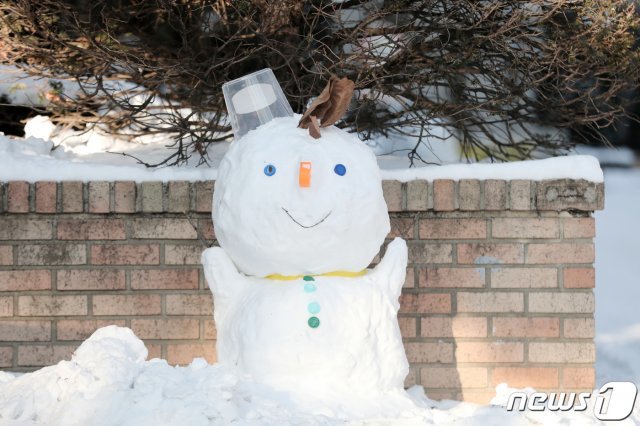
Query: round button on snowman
(299, 213)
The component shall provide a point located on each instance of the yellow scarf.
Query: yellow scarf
(345, 274)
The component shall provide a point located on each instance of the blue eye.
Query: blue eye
(269, 170)
(340, 169)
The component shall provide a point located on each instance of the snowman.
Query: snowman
(299, 214)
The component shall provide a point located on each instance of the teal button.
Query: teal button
(308, 278)
(309, 287)
(313, 322)
(313, 308)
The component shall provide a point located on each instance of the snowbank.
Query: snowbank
(108, 382)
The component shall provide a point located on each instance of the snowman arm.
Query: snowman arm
(392, 269)
(221, 274)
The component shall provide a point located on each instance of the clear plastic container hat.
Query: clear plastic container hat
(253, 100)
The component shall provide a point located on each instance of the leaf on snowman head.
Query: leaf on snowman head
(329, 106)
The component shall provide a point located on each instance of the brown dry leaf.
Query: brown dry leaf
(329, 106)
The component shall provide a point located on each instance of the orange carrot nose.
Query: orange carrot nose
(304, 178)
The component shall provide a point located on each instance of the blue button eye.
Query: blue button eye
(340, 169)
(269, 170)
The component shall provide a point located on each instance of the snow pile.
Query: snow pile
(108, 383)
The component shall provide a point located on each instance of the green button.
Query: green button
(308, 278)
(313, 308)
(313, 322)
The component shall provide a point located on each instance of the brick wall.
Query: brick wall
(499, 285)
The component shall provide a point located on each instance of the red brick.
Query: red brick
(182, 254)
(520, 377)
(451, 377)
(204, 196)
(45, 306)
(476, 396)
(458, 327)
(469, 194)
(429, 352)
(417, 195)
(151, 194)
(579, 227)
(526, 327)
(562, 352)
(6, 356)
(205, 228)
(579, 278)
(91, 279)
(99, 197)
(41, 355)
(452, 277)
(578, 378)
(46, 197)
(183, 354)
(6, 306)
(52, 254)
(490, 302)
(72, 197)
(125, 254)
(124, 197)
(210, 331)
(412, 377)
(560, 253)
(178, 197)
(489, 352)
(581, 328)
(179, 328)
(419, 252)
(407, 326)
(18, 197)
(139, 304)
(489, 253)
(409, 278)
(425, 303)
(22, 228)
(392, 191)
(25, 331)
(154, 350)
(520, 195)
(175, 229)
(189, 304)
(567, 302)
(164, 279)
(521, 227)
(401, 227)
(524, 278)
(6, 255)
(82, 329)
(443, 195)
(453, 229)
(495, 194)
(91, 229)
(25, 280)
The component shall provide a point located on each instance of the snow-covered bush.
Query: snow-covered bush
(505, 78)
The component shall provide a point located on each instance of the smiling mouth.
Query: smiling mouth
(306, 226)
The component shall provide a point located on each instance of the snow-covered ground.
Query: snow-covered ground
(108, 382)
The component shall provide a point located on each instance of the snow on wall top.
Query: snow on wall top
(33, 159)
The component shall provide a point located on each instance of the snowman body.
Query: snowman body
(298, 221)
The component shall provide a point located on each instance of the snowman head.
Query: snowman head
(287, 203)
